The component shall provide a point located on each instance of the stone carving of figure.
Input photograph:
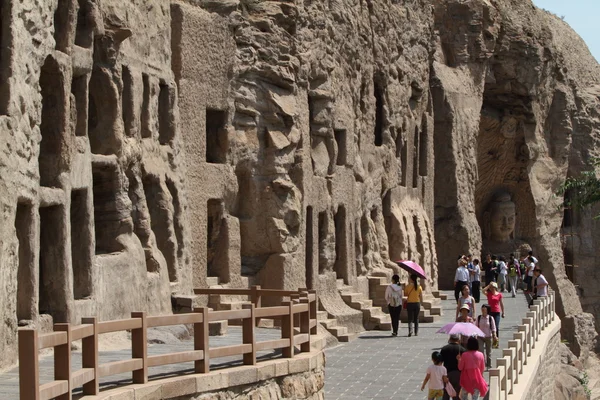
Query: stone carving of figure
(499, 219)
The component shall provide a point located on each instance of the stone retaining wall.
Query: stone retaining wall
(301, 377)
(542, 387)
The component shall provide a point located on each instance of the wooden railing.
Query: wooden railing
(298, 321)
(514, 360)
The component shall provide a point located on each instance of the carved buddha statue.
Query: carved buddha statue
(499, 225)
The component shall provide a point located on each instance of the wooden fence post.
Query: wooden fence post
(256, 299)
(305, 324)
(62, 360)
(313, 310)
(29, 371)
(89, 356)
(248, 335)
(287, 329)
(139, 347)
(295, 299)
(201, 335)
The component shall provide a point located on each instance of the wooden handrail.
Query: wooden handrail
(514, 358)
(300, 312)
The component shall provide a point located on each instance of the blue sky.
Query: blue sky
(582, 15)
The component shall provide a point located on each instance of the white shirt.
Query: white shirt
(542, 291)
(462, 274)
(436, 374)
(530, 269)
(476, 277)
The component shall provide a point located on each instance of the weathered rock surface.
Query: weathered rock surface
(152, 146)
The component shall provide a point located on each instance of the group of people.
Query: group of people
(457, 370)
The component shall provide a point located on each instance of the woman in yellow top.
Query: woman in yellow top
(414, 294)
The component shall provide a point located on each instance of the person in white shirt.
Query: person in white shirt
(476, 280)
(529, 274)
(541, 284)
(461, 277)
(502, 271)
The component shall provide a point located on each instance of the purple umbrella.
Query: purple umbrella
(461, 328)
(412, 268)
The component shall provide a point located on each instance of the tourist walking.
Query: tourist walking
(437, 376)
(472, 366)
(541, 283)
(461, 277)
(450, 353)
(494, 299)
(502, 272)
(414, 295)
(471, 269)
(476, 281)
(466, 300)
(530, 266)
(393, 297)
(464, 318)
(514, 272)
(486, 323)
(487, 267)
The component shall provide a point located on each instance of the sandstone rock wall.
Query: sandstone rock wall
(154, 146)
(92, 197)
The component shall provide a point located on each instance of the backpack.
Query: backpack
(395, 299)
(513, 270)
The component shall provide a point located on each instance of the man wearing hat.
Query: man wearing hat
(449, 353)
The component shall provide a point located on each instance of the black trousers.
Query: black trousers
(454, 378)
(458, 288)
(476, 293)
(395, 316)
(413, 310)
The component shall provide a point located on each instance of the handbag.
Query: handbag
(405, 301)
(450, 390)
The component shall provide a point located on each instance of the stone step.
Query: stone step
(322, 315)
(348, 337)
(329, 323)
(439, 295)
(232, 305)
(435, 310)
(338, 331)
(352, 297)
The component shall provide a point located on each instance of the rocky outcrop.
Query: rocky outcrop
(154, 146)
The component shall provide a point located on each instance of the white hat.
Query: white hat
(465, 307)
(494, 285)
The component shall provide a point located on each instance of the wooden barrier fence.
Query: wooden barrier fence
(298, 321)
(514, 359)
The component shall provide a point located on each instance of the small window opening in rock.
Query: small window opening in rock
(416, 158)
(569, 263)
(423, 148)
(403, 150)
(340, 139)
(61, 25)
(166, 122)
(177, 217)
(79, 89)
(146, 129)
(107, 213)
(26, 269)
(161, 222)
(341, 233)
(322, 242)
(52, 124)
(214, 237)
(568, 211)
(379, 112)
(84, 34)
(127, 102)
(51, 259)
(81, 244)
(308, 260)
(216, 139)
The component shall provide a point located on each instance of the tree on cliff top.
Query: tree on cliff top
(583, 190)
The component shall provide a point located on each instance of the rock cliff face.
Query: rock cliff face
(163, 145)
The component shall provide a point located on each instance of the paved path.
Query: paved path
(379, 366)
(374, 366)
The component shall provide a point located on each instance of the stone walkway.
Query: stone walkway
(374, 366)
(378, 366)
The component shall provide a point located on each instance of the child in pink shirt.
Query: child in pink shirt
(472, 365)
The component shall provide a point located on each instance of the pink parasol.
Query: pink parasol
(412, 268)
(461, 328)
